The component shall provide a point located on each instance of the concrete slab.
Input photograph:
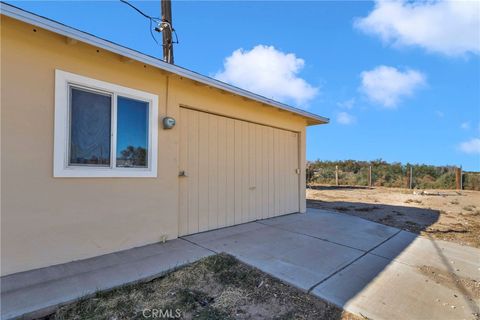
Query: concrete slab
(409, 248)
(335, 227)
(30, 278)
(35, 293)
(380, 288)
(362, 266)
(300, 260)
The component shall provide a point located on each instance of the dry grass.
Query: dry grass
(217, 287)
(413, 201)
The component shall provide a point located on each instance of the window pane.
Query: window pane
(132, 133)
(90, 119)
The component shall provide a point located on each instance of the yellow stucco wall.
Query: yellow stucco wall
(46, 220)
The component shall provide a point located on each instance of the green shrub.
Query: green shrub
(355, 173)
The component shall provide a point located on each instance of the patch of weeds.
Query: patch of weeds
(367, 209)
(228, 271)
(413, 201)
(469, 208)
(238, 276)
(83, 309)
(220, 262)
(228, 289)
(211, 313)
(192, 299)
(385, 219)
(286, 316)
(471, 211)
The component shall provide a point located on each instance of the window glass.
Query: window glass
(132, 133)
(90, 126)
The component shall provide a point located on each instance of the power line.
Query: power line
(163, 25)
(138, 10)
(150, 18)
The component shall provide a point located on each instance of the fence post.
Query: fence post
(336, 175)
(370, 176)
(461, 178)
(411, 177)
(407, 176)
(458, 178)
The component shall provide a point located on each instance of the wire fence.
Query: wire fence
(395, 175)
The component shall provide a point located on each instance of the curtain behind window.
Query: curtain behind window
(90, 127)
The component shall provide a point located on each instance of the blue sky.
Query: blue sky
(399, 81)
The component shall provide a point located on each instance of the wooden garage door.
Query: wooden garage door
(233, 171)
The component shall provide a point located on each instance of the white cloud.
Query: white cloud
(471, 146)
(387, 85)
(345, 118)
(269, 72)
(347, 104)
(465, 125)
(450, 27)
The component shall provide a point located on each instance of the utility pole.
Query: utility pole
(166, 7)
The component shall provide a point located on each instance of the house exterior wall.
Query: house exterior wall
(47, 220)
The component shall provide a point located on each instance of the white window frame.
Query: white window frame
(61, 167)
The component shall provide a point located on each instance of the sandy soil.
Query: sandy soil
(440, 214)
(215, 288)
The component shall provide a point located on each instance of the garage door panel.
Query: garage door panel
(252, 172)
(237, 171)
(213, 172)
(222, 171)
(260, 193)
(281, 172)
(245, 163)
(295, 176)
(289, 169)
(271, 170)
(237, 148)
(191, 185)
(203, 164)
(183, 163)
(230, 171)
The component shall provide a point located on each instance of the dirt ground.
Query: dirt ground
(440, 214)
(217, 287)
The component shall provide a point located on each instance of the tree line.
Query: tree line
(395, 174)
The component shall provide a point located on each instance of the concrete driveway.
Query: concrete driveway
(367, 268)
(364, 267)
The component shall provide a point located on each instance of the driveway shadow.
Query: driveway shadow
(320, 187)
(411, 219)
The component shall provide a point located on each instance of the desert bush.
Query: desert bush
(352, 172)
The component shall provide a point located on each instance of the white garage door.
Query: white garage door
(233, 171)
